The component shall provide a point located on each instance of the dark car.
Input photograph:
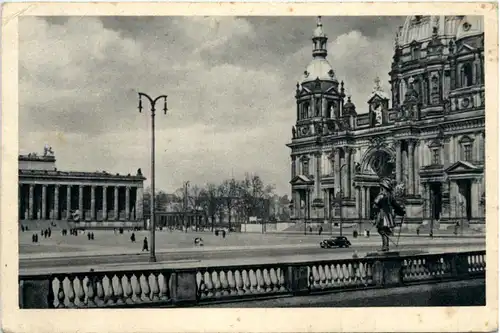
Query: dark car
(339, 241)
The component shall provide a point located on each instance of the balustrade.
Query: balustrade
(170, 287)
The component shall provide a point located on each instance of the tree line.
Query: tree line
(239, 198)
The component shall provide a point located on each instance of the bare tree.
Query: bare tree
(254, 196)
(210, 201)
(229, 190)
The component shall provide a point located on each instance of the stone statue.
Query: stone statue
(139, 172)
(387, 206)
(294, 132)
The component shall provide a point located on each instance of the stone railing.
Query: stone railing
(198, 285)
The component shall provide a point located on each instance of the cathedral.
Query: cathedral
(427, 134)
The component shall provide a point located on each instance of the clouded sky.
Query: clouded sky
(230, 81)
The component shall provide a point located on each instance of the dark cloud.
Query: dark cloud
(230, 81)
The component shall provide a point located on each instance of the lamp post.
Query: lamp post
(338, 199)
(152, 224)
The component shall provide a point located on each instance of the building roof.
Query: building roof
(420, 28)
(77, 174)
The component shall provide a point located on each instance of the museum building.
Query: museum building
(91, 199)
(427, 134)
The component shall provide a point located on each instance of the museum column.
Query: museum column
(104, 203)
(397, 146)
(411, 161)
(68, 202)
(44, 203)
(80, 202)
(139, 204)
(92, 203)
(31, 201)
(116, 204)
(127, 203)
(56, 202)
(358, 198)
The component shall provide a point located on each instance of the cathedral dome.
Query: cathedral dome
(421, 28)
(319, 68)
(470, 26)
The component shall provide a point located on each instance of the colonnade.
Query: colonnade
(95, 202)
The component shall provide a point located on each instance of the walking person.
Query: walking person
(387, 207)
(145, 245)
(132, 238)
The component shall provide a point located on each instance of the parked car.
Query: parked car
(339, 241)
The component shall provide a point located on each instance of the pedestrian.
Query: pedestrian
(36, 238)
(145, 245)
(223, 233)
(45, 233)
(92, 236)
(50, 232)
(320, 230)
(88, 235)
(132, 238)
(33, 238)
(385, 204)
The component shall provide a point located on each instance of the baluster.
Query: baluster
(253, 281)
(99, 297)
(260, 281)
(328, 275)
(322, 276)
(315, 277)
(267, 280)
(108, 290)
(163, 286)
(274, 279)
(155, 289)
(335, 274)
(146, 291)
(224, 283)
(246, 281)
(127, 289)
(350, 273)
(79, 293)
(57, 286)
(217, 284)
(240, 288)
(231, 283)
(200, 284)
(281, 279)
(136, 289)
(69, 292)
(117, 289)
(88, 289)
(208, 283)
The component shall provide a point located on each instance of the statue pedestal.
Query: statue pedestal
(387, 267)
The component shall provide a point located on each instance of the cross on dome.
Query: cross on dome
(377, 86)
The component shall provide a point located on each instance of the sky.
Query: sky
(230, 83)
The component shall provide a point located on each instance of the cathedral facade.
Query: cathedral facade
(427, 134)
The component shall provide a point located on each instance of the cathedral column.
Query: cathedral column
(397, 146)
(348, 186)
(104, 203)
(411, 165)
(312, 108)
(68, 202)
(127, 203)
(44, 202)
(31, 201)
(116, 204)
(293, 167)
(363, 202)
(92, 203)
(337, 171)
(56, 202)
(475, 197)
(357, 201)
(317, 181)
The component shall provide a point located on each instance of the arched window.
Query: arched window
(305, 167)
(415, 53)
(304, 110)
(467, 144)
(466, 75)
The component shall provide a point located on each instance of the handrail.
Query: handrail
(200, 284)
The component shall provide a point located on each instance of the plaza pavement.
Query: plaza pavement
(108, 243)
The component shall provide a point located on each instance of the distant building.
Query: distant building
(431, 140)
(93, 199)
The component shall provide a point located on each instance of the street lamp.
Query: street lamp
(186, 184)
(339, 196)
(152, 224)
